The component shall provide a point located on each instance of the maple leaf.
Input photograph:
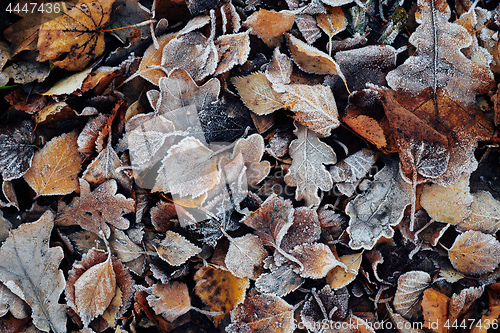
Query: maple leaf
(438, 62)
(29, 268)
(307, 171)
(381, 206)
(72, 40)
(16, 149)
(54, 169)
(94, 209)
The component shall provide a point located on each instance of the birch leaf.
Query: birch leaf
(279, 70)
(307, 171)
(314, 107)
(175, 249)
(381, 206)
(475, 253)
(169, 300)
(245, 255)
(269, 23)
(333, 21)
(280, 281)
(29, 268)
(317, 260)
(341, 275)
(484, 214)
(411, 286)
(233, 50)
(257, 93)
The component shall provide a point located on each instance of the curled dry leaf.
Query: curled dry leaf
(72, 40)
(176, 249)
(257, 92)
(54, 169)
(314, 107)
(475, 253)
(13, 303)
(317, 260)
(169, 300)
(88, 136)
(307, 171)
(245, 256)
(326, 304)
(29, 268)
(94, 209)
(94, 291)
(269, 23)
(220, 289)
(233, 50)
(484, 214)
(16, 149)
(341, 275)
(411, 285)
(374, 212)
(265, 313)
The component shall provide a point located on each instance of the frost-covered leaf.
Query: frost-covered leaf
(16, 149)
(462, 302)
(484, 214)
(151, 60)
(341, 275)
(169, 300)
(269, 23)
(94, 209)
(264, 313)
(307, 171)
(121, 246)
(308, 27)
(54, 169)
(280, 281)
(13, 303)
(257, 93)
(333, 21)
(317, 260)
(305, 229)
(438, 61)
(176, 249)
(94, 291)
(347, 173)
(334, 306)
(219, 289)
(411, 285)
(374, 212)
(29, 268)
(245, 255)
(279, 70)
(314, 107)
(233, 50)
(475, 253)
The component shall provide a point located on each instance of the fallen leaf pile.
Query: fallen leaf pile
(250, 166)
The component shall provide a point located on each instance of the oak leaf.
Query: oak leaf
(219, 289)
(262, 313)
(269, 23)
(16, 149)
(438, 61)
(94, 209)
(314, 107)
(176, 249)
(94, 291)
(307, 171)
(29, 268)
(411, 286)
(72, 40)
(169, 300)
(257, 92)
(381, 206)
(475, 253)
(54, 169)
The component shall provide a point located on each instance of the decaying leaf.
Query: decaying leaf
(341, 275)
(233, 50)
(29, 268)
(175, 249)
(94, 291)
(16, 150)
(411, 286)
(317, 260)
(462, 302)
(169, 300)
(280, 281)
(475, 253)
(326, 304)
(314, 107)
(305, 229)
(381, 206)
(54, 169)
(279, 70)
(333, 21)
(220, 289)
(245, 255)
(435, 309)
(269, 23)
(484, 214)
(257, 93)
(307, 171)
(72, 40)
(13, 303)
(265, 313)
(94, 209)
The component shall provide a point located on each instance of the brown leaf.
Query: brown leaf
(435, 310)
(16, 149)
(307, 171)
(333, 21)
(308, 27)
(54, 169)
(219, 289)
(484, 214)
(304, 230)
(257, 93)
(341, 275)
(88, 136)
(325, 304)
(411, 285)
(122, 247)
(151, 60)
(233, 50)
(162, 214)
(94, 291)
(169, 300)
(279, 70)
(245, 256)
(72, 40)
(475, 253)
(93, 209)
(269, 23)
(462, 302)
(317, 260)
(262, 313)
(176, 249)
(314, 107)
(13, 303)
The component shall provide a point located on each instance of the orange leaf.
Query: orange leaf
(269, 23)
(169, 300)
(435, 310)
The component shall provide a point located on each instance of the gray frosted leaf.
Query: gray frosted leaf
(381, 206)
(16, 149)
(280, 281)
